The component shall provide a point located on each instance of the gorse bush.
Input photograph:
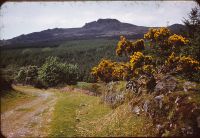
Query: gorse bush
(108, 71)
(104, 70)
(185, 65)
(53, 72)
(127, 47)
(161, 40)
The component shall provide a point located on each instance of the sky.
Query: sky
(17, 18)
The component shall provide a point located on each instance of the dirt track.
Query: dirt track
(30, 119)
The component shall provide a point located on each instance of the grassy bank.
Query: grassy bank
(78, 114)
(73, 108)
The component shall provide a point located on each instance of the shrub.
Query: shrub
(27, 75)
(54, 72)
(185, 65)
(127, 47)
(111, 71)
(104, 70)
(5, 84)
(164, 42)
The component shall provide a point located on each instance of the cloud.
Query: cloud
(25, 17)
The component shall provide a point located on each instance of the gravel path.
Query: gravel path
(30, 119)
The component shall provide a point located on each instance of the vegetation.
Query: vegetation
(72, 109)
(193, 27)
(53, 72)
(83, 53)
(12, 98)
(168, 115)
(27, 75)
(147, 87)
(162, 41)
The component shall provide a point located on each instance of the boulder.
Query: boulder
(189, 86)
(166, 84)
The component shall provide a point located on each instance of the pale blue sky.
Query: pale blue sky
(25, 17)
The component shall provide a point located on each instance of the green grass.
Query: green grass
(24, 109)
(78, 115)
(73, 108)
(13, 98)
(119, 122)
(97, 88)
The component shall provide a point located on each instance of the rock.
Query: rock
(120, 97)
(188, 86)
(158, 99)
(136, 110)
(177, 99)
(189, 130)
(132, 85)
(159, 127)
(145, 106)
(114, 98)
(142, 80)
(159, 86)
(166, 84)
(183, 130)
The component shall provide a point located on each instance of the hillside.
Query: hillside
(102, 28)
(74, 111)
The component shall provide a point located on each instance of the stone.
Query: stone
(158, 127)
(132, 85)
(189, 130)
(188, 86)
(167, 83)
(136, 110)
(158, 99)
(119, 97)
(177, 99)
(145, 106)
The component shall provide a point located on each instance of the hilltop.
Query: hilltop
(102, 28)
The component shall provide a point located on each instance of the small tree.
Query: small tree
(27, 75)
(193, 29)
(71, 73)
(54, 72)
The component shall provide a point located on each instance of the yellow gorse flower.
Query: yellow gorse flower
(177, 40)
(107, 70)
(157, 34)
(127, 47)
(183, 63)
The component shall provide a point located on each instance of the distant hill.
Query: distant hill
(102, 28)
